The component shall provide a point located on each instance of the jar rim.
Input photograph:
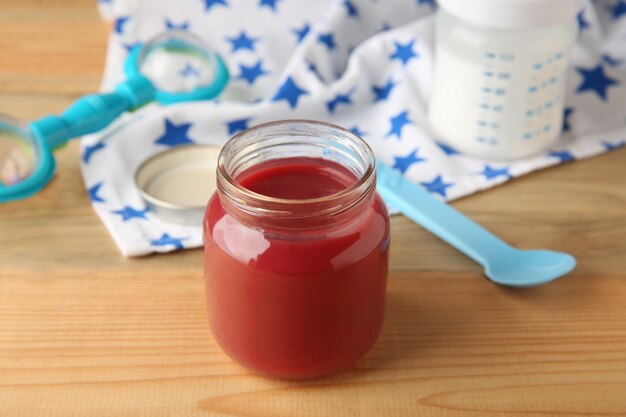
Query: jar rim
(365, 181)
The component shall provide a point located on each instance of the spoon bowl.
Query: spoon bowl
(528, 268)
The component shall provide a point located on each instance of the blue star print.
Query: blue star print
(339, 99)
(93, 191)
(564, 156)
(566, 114)
(438, 186)
(119, 24)
(430, 3)
(385, 27)
(595, 80)
(447, 149)
(174, 135)
(327, 39)
(351, 8)
(313, 68)
(382, 93)
(129, 213)
(397, 123)
(208, 4)
(613, 146)
(251, 73)
(268, 3)
(290, 91)
(166, 240)
(169, 25)
(189, 71)
(302, 32)
(491, 173)
(582, 23)
(90, 150)
(242, 41)
(610, 61)
(235, 126)
(619, 9)
(403, 163)
(403, 52)
(355, 129)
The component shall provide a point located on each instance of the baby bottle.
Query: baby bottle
(500, 72)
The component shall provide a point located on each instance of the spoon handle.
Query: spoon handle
(93, 112)
(438, 217)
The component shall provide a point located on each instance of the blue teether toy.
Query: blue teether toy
(173, 67)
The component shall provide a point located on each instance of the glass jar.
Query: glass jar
(500, 73)
(295, 276)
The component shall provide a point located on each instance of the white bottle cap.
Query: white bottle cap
(513, 14)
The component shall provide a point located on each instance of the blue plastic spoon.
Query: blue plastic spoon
(503, 264)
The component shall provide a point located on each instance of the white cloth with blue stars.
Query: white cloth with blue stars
(363, 64)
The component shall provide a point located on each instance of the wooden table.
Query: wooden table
(85, 332)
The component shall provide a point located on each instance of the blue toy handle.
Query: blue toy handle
(436, 216)
(93, 112)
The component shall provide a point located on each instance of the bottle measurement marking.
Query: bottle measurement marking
(496, 76)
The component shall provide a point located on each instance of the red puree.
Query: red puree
(298, 180)
(297, 303)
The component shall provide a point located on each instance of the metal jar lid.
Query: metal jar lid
(177, 184)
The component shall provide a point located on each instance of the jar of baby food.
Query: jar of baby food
(296, 249)
(500, 72)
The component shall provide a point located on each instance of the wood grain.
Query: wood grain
(85, 332)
